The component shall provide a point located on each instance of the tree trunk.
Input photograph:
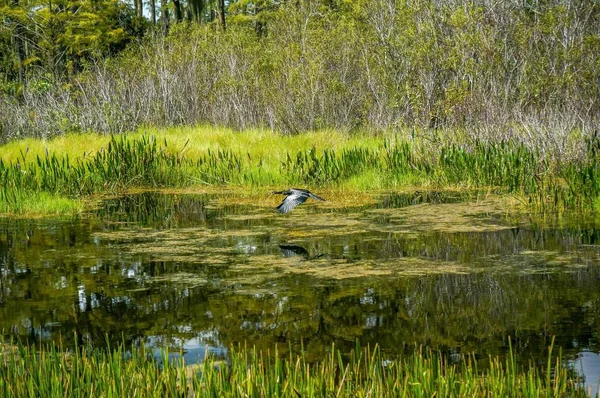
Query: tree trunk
(164, 16)
(196, 8)
(222, 13)
(56, 55)
(139, 8)
(19, 48)
(153, 11)
(178, 10)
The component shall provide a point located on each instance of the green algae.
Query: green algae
(489, 214)
(208, 245)
(397, 267)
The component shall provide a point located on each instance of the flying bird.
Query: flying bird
(294, 197)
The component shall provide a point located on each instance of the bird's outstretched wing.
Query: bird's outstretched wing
(290, 202)
(312, 195)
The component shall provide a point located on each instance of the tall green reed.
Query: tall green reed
(145, 162)
(122, 163)
(50, 371)
(367, 372)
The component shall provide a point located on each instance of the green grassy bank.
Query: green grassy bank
(56, 176)
(50, 372)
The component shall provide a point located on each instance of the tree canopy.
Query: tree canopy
(296, 65)
(55, 38)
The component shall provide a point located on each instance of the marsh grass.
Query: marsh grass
(40, 204)
(49, 371)
(259, 158)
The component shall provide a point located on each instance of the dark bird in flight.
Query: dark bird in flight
(294, 197)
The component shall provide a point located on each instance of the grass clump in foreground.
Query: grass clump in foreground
(321, 159)
(49, 372)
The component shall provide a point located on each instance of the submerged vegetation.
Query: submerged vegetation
(30, 170)
(47, 371)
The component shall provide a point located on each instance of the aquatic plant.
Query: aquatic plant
(49, 371)
(145, 161)
(121, 164)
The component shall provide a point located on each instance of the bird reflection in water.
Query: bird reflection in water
(293, 251)
(297, 251)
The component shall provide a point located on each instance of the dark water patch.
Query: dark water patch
(197, 269)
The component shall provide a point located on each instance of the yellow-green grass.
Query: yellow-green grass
(41, 204)
(73, 145)
(77, 166)
(194, 142)
(364, 372)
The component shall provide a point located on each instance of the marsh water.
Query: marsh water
(204, 271)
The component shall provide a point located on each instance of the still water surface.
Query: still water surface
(205, 271)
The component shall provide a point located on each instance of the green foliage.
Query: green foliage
(145, 162)
(298, 66)
(123, 163)
(503, 165)
(582, 179)
(49, 372)
(37, 203)
(58, 38)
(330, 168)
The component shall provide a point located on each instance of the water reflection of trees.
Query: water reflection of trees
(473, 312)
(56, 279)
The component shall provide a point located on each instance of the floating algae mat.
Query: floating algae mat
(455, 271)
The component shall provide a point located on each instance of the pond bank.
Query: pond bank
(58, 176)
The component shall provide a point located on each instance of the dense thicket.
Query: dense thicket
(44, 42)
(521, 69)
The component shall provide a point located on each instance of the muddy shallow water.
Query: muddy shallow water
(205, 271)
